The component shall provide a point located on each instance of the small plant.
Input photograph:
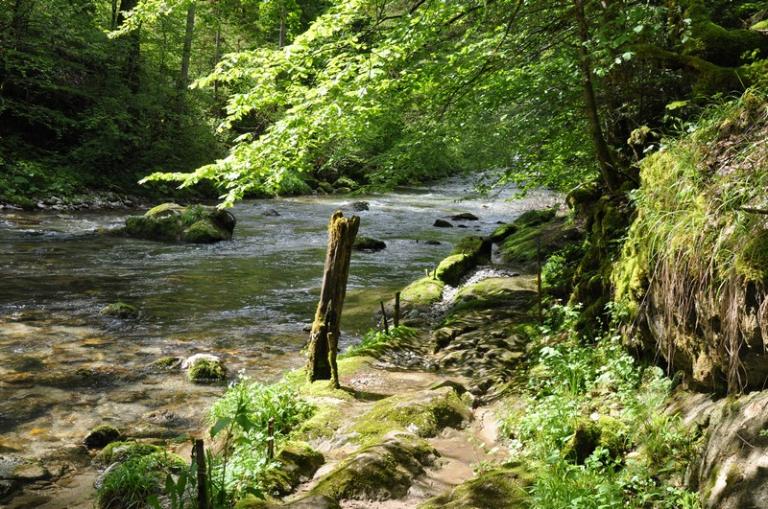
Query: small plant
(133, 483)
(374, 340)
(240, 421)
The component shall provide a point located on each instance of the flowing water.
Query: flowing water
(64, 368)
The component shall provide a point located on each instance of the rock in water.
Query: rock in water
(442, 223)
(101, 436)
(368, 244)
(171, 222)
(271, 213)
(465, 216)
(204, 368)
(359, 206)
(120, 310)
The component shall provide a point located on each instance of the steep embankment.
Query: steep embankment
(692, 287)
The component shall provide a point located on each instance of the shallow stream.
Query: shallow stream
(64, 368)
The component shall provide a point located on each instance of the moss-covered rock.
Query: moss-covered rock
(498, 488)
(477, 247)
(167, 363)
(496, 291)
(535, 236)
(382, 471)
(101, 435)
(502, 232)
(205, 368)
(455, 267)
(117, 452)
(297, 463)
(171, 222)
(425, 413)
(589, 434)
(368, 244)
(120, 309)
(423, 292)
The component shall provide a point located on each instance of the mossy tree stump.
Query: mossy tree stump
(324, 337)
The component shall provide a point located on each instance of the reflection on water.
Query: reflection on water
(64, 368)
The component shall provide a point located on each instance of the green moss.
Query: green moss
(474, 246)
(378, 472)
(206, 371)
(498, 488)
(522, 247)
(297, 462)
(493, 292)
(535, 217)
(423, 292)
(120, 310)
(502, 232)
(454, 267)
(167, 363)
(171, 222)
(752, 261)
(123, 451)
(606, 432)
(425, 413)
(204, 232)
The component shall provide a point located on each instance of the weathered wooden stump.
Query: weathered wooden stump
(324, 337)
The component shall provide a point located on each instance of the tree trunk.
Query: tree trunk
(605, 160)
(324, 338)
(216, 58)
(281, 35)
(187, 50)
(131, 68)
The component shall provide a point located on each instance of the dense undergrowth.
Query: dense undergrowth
(591, 424)
(695, 256)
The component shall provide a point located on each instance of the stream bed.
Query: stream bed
(64, 368)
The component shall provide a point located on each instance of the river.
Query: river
(66, 369)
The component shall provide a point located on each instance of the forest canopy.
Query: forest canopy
(276, 96)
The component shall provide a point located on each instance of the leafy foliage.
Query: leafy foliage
(241, 419)
(574, 387)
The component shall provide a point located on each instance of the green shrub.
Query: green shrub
(130, 484)
(588, 404)
(240, 418)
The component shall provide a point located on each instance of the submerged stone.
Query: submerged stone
(442, 223)
(120, 310)
(359, 206)
(368, 244)
(465, 216)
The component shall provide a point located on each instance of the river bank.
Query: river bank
(246, 301)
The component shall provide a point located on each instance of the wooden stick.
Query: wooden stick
(384, 317)
(396, 319)
(538, 278)
(202, 474)
(271, 438)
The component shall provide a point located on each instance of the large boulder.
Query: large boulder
(171, 222)
(383, 471)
